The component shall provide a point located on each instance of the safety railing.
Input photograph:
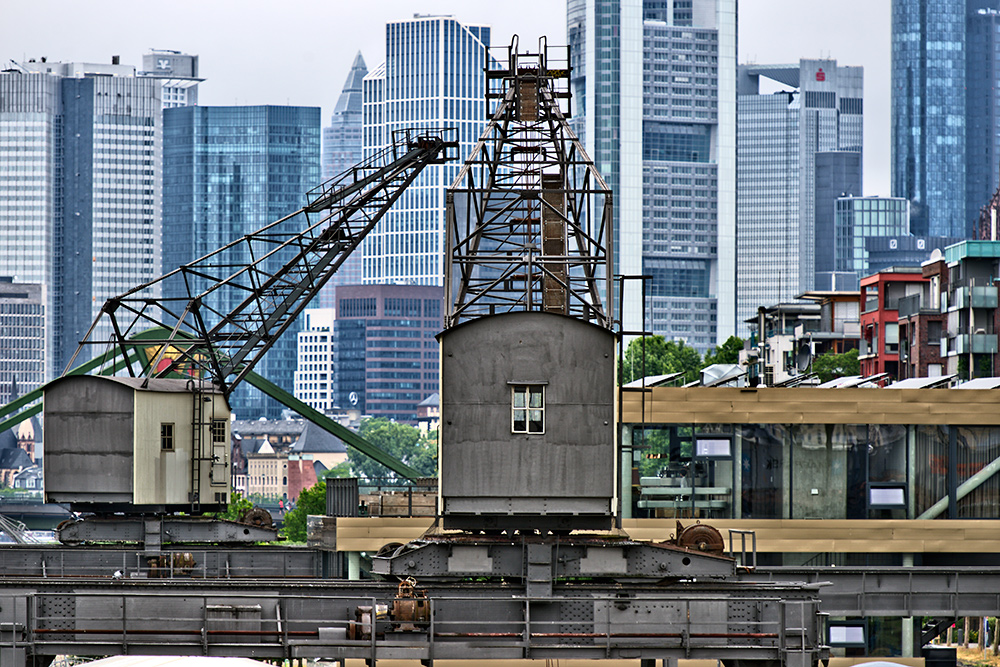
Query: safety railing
(373, 627)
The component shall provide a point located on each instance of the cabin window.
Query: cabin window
(167, 437)
(527, 408)
(218, 430)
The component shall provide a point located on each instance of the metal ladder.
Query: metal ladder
(198, 425)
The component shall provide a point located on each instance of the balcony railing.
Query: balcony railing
(976, 344)
(974, 297)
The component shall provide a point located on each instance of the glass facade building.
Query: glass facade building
(982, 105)
(858, 219)
(229, 171)
(944, 111)
(22, 345)
(80, 160)
(654, 95)
(341, 150)
(817, 108)
(432, 77)
(384, 349)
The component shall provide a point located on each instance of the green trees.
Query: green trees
(310, 501)
(831, 365)
(661, 357)
(404, 442)
(727, 353)
(668, 356)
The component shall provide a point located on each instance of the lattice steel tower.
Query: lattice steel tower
(529, 218)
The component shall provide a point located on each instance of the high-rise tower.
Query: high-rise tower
(341, 150)
(654, 97)
(80, 158)
(945, 105)
(794, 145)
(229, 171)
(433, 76)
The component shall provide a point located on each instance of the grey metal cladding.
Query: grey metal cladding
(88, 439)
(480, 456)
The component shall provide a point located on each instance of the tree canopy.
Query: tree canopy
(404, 442)
(727, 353)
(661, 357)
(831, 365)
(310, 501)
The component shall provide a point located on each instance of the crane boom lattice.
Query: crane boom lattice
(222, 312)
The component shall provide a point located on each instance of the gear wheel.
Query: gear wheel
(699, 537)
(257, 517)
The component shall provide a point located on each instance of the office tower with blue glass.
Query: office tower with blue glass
(873, 234)
(80, 159)
(654, 101)
(228, 171)
(945, 111)
(982, 106)
(341, 150)
(861, 218)
(838, 174)
(785, 125)
(432, 77)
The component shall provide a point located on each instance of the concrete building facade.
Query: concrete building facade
(80, 167)
(177, 73)
(316, 368)
(818, 108)
(22, 343)
(880, 299)
(969, 301)
(655, 104)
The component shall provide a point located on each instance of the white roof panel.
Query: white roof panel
(981, 383)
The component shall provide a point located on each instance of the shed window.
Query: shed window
(527, 408)
(167, 437)
(218, 430)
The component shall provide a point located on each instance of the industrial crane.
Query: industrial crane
(231, 312)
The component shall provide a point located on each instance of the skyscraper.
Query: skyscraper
(433, 77)
(22, 345)
(982, 106)
(928, 114)
(789, 140)
(945, 111)
(178, 76)
(229, 171)
(341, 150)
(385, 356)
(342, 138)
(654, 82)
(80, 159)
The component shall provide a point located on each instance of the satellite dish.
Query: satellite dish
(803, 358)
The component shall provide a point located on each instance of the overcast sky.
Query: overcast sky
(297, 52)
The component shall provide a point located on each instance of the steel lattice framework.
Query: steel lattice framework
(529, 218)
(238, 300)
